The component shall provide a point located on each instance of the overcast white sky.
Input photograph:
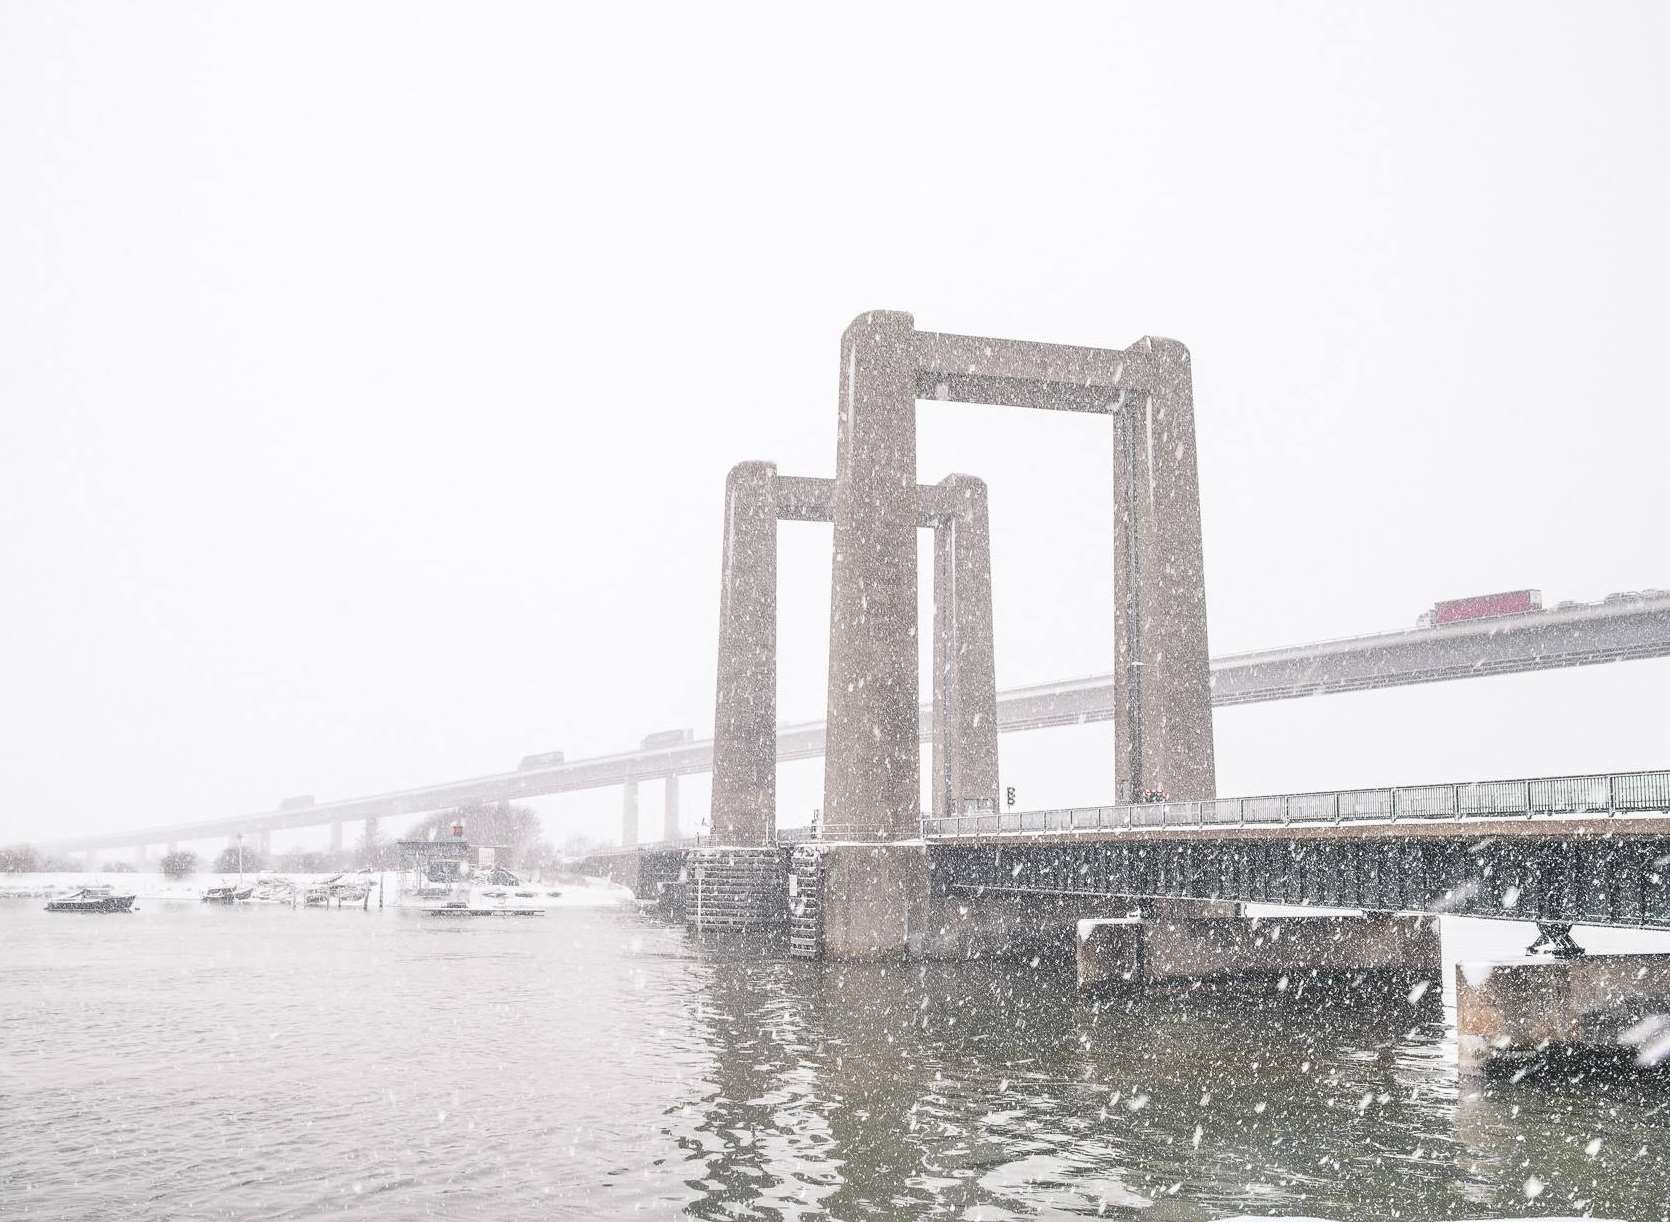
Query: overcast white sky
(370, 371)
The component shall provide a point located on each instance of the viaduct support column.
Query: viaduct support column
(965, 681)
(745, 705)
(669, 815)
(629, 814)
(1162, 685)
(871, 762)
(369, 836)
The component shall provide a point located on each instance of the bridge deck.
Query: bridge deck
(1577, 636)
(1601, 803)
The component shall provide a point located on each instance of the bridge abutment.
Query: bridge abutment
(1542, 1011)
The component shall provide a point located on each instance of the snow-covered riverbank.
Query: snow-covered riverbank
(575, 893)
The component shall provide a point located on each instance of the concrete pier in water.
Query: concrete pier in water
(1136, 950)
(1543, 1011)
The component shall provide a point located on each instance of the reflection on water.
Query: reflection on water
(227, 1063)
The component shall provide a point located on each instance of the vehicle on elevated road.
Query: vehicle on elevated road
(1481, 606)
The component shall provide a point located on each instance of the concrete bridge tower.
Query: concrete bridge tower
(1163, 722)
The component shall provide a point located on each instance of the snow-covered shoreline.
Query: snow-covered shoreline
(156, 887)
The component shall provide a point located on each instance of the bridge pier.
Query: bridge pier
(965, 680)
(745, 706)
(1537, 1012)
(874, 902)
(964, 709)
(871, 759)
(629, 814)
(1162, 680)
(1135, 950)
(669, 809)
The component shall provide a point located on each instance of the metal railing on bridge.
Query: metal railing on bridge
(1602, 796)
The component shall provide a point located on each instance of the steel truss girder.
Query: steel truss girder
(1587, 880)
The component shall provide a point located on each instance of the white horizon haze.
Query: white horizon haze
(371, 373)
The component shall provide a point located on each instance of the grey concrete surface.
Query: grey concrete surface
(745, 732)
(1144, 949)
(629, 813)
(871, 766)
(1509, 1014)
(745, 707)
(965, 760)
(875, 900)
(1162, 682)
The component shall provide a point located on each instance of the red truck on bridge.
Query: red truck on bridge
(1482, 606)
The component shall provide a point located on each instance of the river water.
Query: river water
(191, 1061)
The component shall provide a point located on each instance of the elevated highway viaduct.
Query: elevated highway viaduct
(1614, 631)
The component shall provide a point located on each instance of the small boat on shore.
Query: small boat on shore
(226, 895)
(338, 889)
(92, 899)
(463, 908)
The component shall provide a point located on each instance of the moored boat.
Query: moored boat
(226, 895)
(92, 899)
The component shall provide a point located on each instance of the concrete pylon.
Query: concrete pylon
(744, 734)
(1162, 682)
(629, 814)
(669, 809)
(965, 682)
(871, 761)
(745, 704)
(369, 835)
